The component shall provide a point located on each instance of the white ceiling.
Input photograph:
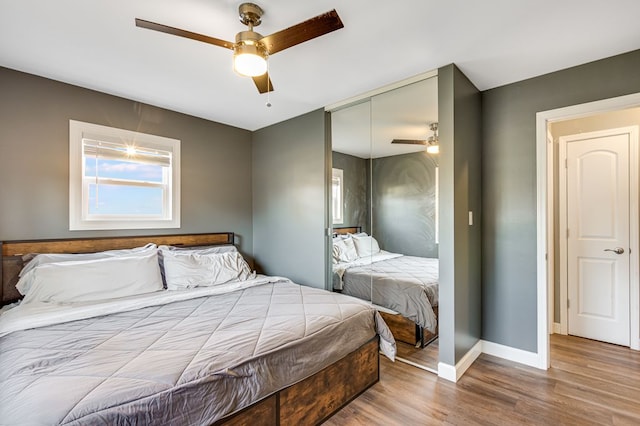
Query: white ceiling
(95, 44)
(367, 128)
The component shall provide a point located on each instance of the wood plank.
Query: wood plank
(402, 329)
(314, 399)
(347, 230)
(576, 390)
(86, 245)
(426, 357)
(264, 413)
(318, 397)
(11, 267)
(405, 330)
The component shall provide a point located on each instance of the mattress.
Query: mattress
(405, 284)
(190, 357)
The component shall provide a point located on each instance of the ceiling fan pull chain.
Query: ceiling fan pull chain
(268, 84)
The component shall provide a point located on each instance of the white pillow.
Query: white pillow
(184, 270)
(359, 234)
(25, 281)
(96, 279)
(344, 250)
(192, 250)
(366, 246)
(200, 250)
(35, 260)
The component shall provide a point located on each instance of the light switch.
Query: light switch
(470, 218)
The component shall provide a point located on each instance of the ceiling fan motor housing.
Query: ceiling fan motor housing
(250, 14)
(249, 42)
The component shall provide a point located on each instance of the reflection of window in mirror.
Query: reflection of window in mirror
(437, 219)
(336, 196)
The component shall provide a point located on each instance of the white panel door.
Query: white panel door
(598, 236)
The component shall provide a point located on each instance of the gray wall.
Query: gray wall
(509, 186)
(289, 199)
(34, 160)
(404, 201)
(357, 210)
(459, 117)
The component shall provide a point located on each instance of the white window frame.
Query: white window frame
(79, 217)
(437, 206)
(337, 175)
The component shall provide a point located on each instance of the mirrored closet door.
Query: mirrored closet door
(394, 231)
(351, 199)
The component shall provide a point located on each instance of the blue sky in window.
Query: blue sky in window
(123, 170)
(125, 200)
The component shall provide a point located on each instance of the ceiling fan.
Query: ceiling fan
(432, 143)
(251, 50)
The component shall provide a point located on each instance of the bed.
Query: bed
(259, 350)
(405, 288)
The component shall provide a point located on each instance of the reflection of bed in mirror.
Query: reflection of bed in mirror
(404, 288)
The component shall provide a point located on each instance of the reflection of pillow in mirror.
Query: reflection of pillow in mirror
(335, 251)
(359, 235)
(344, 250)
(366, 246)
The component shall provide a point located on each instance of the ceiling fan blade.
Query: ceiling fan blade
(183, 33)
(263, 83)
(304, 31)
(409, 141)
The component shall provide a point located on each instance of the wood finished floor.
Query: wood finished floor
(427, 356)
(589, 383)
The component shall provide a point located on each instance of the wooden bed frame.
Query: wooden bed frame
(310, 401)
(407, 331)
(344, 230)
(403, 329)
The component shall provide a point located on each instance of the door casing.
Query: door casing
(545, 228)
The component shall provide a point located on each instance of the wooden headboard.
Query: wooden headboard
(347, 230)
(11, 252)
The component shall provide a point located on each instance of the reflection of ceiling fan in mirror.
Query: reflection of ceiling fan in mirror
(432, 143)
(251, 50)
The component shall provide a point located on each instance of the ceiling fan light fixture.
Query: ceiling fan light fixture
(249, 60)
(433, 143)
(433, 149)
(249, 54)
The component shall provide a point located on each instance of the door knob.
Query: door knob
(617, 250)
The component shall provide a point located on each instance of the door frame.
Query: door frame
(544, 220)
(633, 222)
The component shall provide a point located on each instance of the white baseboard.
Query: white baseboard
(531, 359)
(453, 374)
(557, 328)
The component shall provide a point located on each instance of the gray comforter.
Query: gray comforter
(187, 362)
(405, 284)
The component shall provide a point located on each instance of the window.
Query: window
(336, 196)
(120, 179)
(437, 206)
